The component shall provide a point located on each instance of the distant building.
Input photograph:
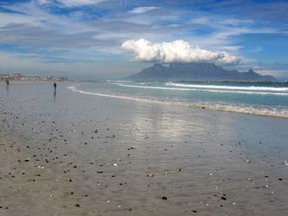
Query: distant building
(20, 77)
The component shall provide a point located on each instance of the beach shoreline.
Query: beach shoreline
(106, 156)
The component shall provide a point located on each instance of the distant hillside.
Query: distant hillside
(195, 72)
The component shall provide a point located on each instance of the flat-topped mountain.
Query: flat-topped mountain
(195, 72)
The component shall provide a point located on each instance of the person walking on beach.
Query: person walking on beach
(55, 86)
(7, 84)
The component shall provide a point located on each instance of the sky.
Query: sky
(106, 39)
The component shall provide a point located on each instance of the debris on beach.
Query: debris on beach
(150, 175)
(224, 197)
(164, 198)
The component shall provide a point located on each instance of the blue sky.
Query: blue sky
(114, 38)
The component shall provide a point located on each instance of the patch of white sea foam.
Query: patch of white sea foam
(205, 90)
(264, 111)
(250, 88)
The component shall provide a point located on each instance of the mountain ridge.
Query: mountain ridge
(196, 72)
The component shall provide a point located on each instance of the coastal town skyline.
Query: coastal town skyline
(113, 39)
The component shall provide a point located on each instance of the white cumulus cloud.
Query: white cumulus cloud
(175, 51)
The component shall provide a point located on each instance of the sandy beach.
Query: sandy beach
(71, 154)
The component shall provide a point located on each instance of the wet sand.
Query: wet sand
(73, 154)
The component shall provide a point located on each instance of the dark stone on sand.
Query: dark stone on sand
(77, 205)
(164, 198)
(194, 211)
(223, 198)
(280, 179)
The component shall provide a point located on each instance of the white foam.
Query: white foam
(204, 89)
(250, 88)
(282, 113)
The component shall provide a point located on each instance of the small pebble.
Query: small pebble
(150, 175)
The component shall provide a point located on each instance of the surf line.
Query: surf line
(217, 107)
(205, 90)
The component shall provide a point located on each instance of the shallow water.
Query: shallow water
(256, 99)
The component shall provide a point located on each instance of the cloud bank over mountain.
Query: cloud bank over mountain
(175, 51)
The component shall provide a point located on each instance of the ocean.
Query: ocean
(249, 98)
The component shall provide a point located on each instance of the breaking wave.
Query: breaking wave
(250, 88)
(214, 89)
(264, 111)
